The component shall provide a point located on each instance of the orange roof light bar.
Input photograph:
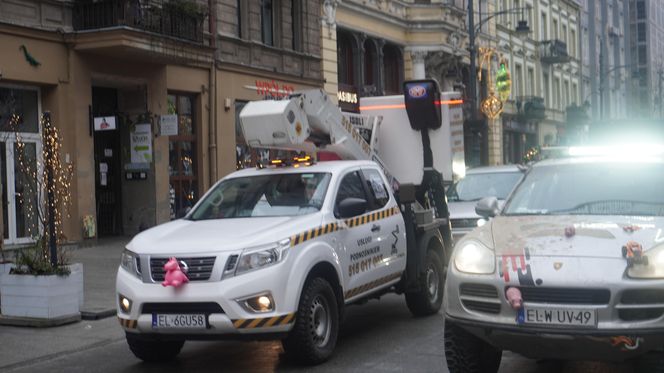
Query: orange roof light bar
(403, 106)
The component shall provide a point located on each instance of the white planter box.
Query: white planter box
(42, 296)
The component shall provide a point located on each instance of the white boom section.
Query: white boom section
(306, 119)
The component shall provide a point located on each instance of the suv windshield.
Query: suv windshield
(590, 189)
(474, 187)
(265, 195)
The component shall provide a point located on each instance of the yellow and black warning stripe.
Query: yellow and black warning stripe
(131, 324)
(313, 233)
(378, 215)
(264, 322)
(333, 227)
(371, 285)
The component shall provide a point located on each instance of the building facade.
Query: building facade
(646, 56)
(546, 73)
(146, 95)
(370, 47)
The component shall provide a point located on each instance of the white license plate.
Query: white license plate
(558, 316)
(178, 321)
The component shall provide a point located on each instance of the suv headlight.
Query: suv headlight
(130, 262)
(473, 257)
(261, 257)
(654, 267)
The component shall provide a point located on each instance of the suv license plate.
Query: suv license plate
(179, 321)
(560, 316)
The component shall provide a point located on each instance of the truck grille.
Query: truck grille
(632, 302)
(200, 268)
(182, 307)
(464, 223)
(565, 295)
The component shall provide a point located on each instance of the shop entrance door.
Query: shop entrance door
(108, 175)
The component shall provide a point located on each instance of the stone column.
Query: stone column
(417, 57)
(329, 48)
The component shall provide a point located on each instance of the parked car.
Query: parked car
(462, 196)
(571, 268)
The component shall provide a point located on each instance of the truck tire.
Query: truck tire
(428, 299)
(316, 329)
(465, 353)
(153, 351)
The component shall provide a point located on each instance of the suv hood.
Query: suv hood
(187, 236)
(593, 236)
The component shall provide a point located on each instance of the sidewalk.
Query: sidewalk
(20, 345)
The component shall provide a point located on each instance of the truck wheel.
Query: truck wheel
(651, 362)
(428, 299)
(153, 351)
(465, 353)
(314, 335)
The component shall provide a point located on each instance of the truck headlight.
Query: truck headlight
(130, 262)
(654, 267)
(261, 257)
(473, 257)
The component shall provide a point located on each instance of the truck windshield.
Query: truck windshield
(632, 189)
(288, 194)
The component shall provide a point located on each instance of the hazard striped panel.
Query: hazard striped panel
(131, 324)
(333, 227)
(371, 285)
(313, 233)
(264, 322)
(374, 216)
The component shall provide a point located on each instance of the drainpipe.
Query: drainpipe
(212, 94)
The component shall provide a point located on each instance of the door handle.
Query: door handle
(375, 228)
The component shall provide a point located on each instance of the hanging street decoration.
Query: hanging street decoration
(492, 106)
(503, 81)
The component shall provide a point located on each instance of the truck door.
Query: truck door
(387, 224)
(360, 243)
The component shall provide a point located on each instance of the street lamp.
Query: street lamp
(522, 28)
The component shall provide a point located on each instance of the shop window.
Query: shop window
(183, 160)
(346, 59)
(392, 69)
(19, 115)
(267, 22)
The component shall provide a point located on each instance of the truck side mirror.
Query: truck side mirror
(350, 207)
(487, 207)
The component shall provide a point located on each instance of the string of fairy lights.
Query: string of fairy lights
(35, 171)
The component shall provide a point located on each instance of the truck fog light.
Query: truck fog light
(260, 303)
(125, 304)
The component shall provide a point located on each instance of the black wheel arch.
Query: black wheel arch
(327, 271)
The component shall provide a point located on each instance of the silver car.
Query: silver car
(462, 196)
(572, 267)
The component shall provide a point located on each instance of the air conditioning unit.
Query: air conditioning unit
(615, 31)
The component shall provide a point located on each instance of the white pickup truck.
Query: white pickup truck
(279, 251)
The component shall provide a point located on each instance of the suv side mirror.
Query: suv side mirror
(487, 207)
(350, 207)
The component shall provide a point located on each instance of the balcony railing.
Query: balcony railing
(531, 108)
(554, 51)
(178, 19)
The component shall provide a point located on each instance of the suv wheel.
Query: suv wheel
(153, 351)
(428, 299)
(465, 353)
(314, 335)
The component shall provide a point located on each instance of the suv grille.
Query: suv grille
(632, 302)
(200, 268)
(565, 295)
(478, 290)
